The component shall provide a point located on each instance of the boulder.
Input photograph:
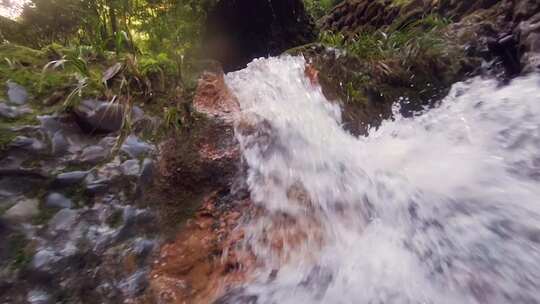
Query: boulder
(57, 200)
(94, 154)
(16, 93)
(24, 210)
(69, 178)
(94, 116)
(131, 167)
(8, 111)
(37, 296)
(135, 147)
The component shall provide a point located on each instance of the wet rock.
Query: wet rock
(147, 172)
(63, 220)
(105, 174)
(21, 182)
(135, 284)
(214, 98)
(529, 31)
(17, 94)
(27, 143)
(59, 143)
(142, 248)
(22, 211)
(94, 154)
(97, 187)
(37, 296)
(131, 167)
(7, 111)
(237, 296)
(137, 114)
(44, 259)
(69, 178)
(135, 147)
(57, 200)
(95, 116)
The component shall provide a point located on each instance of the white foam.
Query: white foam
(440, 208)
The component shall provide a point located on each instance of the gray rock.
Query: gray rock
(50, 123)
(94, 154)
(7, 111)
(69, 178)
(137, 113)
(101, 117)
(146, 176)
(59, 143)
(22, 211)
(37, 296)
(27, 143)
(131, 167)
(97, 187)
(135, 147)
(108, 142)
(44, 259)
(147, 171)
(16, 93)
(63, 220)
(143, 247)
(21, 142)
(135, 284)
(57, 200)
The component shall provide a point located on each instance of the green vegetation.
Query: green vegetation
(318, 8)
(413, 60)
(120, 25)
(403, 47)
(408, 56)
(124, 51)
(19, 252)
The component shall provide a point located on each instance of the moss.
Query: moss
(21, 55)
(7, 124)
(32, 80)
(44, 215)
(116, 219)
(19, 251)
(6, 137)
(4, 208)
(78, 195)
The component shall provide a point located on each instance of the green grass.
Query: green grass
(420, 38)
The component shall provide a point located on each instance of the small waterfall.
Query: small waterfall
(440, 208)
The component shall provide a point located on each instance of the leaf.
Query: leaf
(111, 72)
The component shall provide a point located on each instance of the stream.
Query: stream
(442, 207)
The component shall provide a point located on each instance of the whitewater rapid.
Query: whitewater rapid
(439, 208)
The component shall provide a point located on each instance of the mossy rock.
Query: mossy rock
(368, 89)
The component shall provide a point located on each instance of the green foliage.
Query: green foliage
(157, 64)
(318, 8)
(81, 74)
(421, 38)
(19, 251)
(6, 137)
(172, 118)
(416, 60)
(155, 26)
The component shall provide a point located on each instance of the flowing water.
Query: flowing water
(440, 208)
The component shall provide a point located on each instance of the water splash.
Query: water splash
(440, 208)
